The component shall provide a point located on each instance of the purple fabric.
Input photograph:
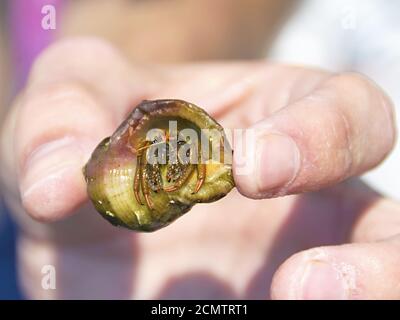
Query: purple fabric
(28, 38)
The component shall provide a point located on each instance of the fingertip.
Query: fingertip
(51, 181)
(269, 167)
(350, 271)
(315, 274)
(285, 282)
(56, 196)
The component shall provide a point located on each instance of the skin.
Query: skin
(315, 230)
(188, 30)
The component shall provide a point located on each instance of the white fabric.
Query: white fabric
(351, 35)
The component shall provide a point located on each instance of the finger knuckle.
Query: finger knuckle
(72, 54)
(370, 104)
(53, 95)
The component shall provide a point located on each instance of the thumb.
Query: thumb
(352, 271)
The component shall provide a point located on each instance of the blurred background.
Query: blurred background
(357, 35)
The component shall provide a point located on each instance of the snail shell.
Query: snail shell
(129, 191)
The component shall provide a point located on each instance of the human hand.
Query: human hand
(317, 129)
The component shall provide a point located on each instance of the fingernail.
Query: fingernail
(50, 160)
(279, 162)
(322, 282)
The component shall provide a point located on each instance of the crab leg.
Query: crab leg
(179, 183)
(145, 185)
(201, 176)
(136, 183)
(138, 172)
(201, 172)
(222, 149)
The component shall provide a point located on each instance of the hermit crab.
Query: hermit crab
(166, 156)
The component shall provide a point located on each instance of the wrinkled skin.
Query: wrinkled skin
(237, 247)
